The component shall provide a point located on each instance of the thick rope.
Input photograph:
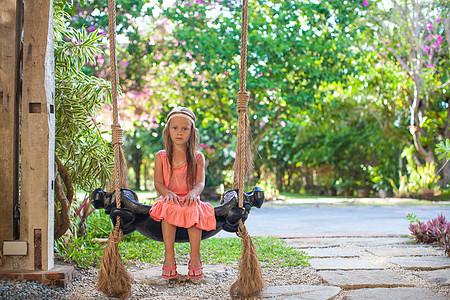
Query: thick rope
(250, 282)
(244, 26)
(113, 279)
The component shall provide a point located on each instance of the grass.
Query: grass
(272, 252)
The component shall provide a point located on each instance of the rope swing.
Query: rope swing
(250, 282)
(113, 279)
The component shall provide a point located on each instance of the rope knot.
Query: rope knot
(242, 102)
(117, 134)
(242, 233)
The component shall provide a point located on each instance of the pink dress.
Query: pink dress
(200, 215)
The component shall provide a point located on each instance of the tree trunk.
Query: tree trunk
(446, 169)
(146, 187)
(415, 129)
(136, 163)
(280, 175)
(63, 215)
(137, 172)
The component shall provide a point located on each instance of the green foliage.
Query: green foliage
(403, 188)
(425, 177)
(81, 251)
(78, 98)
(327, 83)
(84, 250)
(419, 178)
(443, 148)
(292, 51)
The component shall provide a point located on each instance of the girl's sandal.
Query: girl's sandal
(193, 276)
(170, 272)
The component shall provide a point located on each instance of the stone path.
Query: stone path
(352, 267)
(381, 267)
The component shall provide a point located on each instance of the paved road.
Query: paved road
(275, 219)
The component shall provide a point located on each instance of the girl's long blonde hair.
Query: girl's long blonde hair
(192, 145)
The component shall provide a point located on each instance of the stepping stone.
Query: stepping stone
(311, 242)
(441, 277)
(374, 241)
(325, 264)
(339, 241)
(404, 251)
(400, 293)
(292, 292)
(424, 263)
(330, 252)
(358, 279)
(152, 275)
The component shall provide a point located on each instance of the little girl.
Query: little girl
(180, 179)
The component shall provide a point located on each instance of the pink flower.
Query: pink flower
(388, 41)
(430, 66)
(438, 20)
(438, 41)
(426, 49)
(365, 3)
(283, 124)
(390, 49)
(429, 37)
(429, 26)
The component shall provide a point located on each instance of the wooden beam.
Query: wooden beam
(37, 146)
(10, 44)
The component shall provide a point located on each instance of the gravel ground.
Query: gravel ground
(214, 287)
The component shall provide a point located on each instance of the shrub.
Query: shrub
(436, 231)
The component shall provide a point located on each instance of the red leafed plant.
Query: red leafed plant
(82, 212)
(436, 231)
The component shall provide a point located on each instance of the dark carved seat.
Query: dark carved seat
(135, 215)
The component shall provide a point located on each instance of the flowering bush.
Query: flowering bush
(434, 231)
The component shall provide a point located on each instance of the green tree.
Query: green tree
(410, 36)
(294, 48)
(83, 157)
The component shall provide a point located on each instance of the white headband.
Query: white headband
(179, 114)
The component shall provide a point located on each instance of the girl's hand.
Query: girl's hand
(171, 198)
(190, 199)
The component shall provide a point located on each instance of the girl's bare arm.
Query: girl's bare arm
(168, 195)
(194, 193)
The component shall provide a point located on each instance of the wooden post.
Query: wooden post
(37, 146)
(10, 44)
(37, 140)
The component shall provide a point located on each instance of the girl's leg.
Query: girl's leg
(195, 237)
(168, 232)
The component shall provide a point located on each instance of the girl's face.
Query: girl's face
(180, 130)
